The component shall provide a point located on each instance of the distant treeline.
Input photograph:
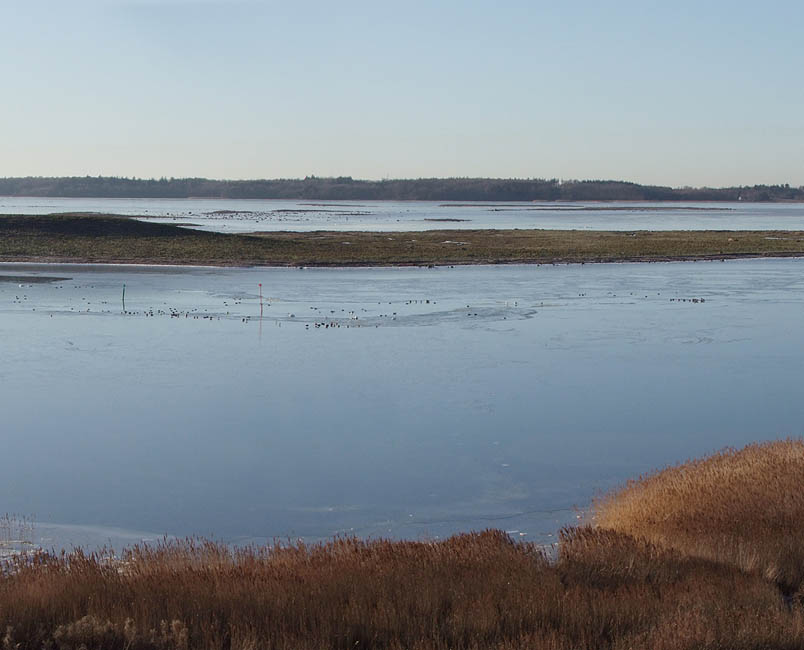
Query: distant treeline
(422, 189)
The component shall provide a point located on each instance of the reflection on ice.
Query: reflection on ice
(29, 280)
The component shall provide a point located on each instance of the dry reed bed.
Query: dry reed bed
(744, 508)
(609, 588)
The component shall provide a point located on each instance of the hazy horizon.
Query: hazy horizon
(688, 95)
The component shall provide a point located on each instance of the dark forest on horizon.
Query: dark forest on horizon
(423, 189)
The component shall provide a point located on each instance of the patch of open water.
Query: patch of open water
(246, 215)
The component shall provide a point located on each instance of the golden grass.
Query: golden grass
(744, 508)
(664, 567)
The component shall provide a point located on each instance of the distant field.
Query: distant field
(109, 238)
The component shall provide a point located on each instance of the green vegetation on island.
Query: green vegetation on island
(420, 189)
(114, 239)
(708, 554)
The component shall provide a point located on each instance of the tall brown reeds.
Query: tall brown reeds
(481, 590)
(608, 588)
(744, 508)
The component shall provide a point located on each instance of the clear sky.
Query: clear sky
(677, 93)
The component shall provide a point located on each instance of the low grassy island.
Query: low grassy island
(116, 239)
(708, 554)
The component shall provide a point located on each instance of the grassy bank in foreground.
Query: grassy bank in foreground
(104, 238)
(628, 581)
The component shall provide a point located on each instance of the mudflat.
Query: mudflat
(118, 239)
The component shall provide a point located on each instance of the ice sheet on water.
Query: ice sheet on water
(205, 419)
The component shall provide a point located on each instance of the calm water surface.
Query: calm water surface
(233, 215)
(382, 402)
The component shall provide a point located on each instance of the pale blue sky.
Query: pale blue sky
(681, 93)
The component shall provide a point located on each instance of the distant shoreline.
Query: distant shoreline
(159, 262)
(111, 239)
(451, 203)
(370, 265)
(346, 188)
